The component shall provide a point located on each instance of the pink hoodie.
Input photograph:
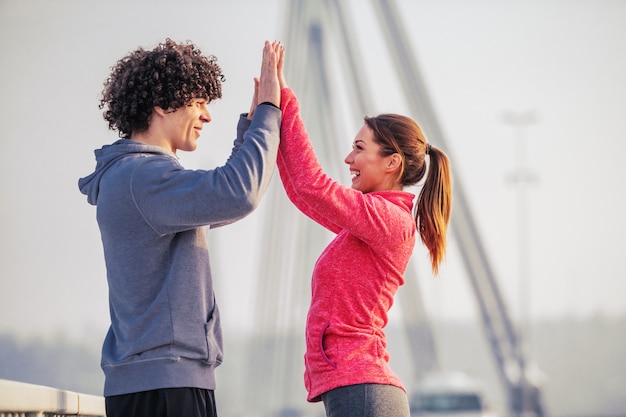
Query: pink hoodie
(357, 275)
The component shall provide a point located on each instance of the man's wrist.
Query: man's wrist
(271, 104)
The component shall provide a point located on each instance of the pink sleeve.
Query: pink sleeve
(333, 205)
(285, 175)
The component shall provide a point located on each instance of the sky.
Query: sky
(561, 60)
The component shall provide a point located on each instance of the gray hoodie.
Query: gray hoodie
(165, 325)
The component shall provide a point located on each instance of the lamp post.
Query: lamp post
(522, 178)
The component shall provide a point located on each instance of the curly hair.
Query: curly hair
(169, 76)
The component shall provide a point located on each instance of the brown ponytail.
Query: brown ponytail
(402, 135)
(434, 205)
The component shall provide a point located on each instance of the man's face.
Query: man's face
(183, 126)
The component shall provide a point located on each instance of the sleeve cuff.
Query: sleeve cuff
(271, 104)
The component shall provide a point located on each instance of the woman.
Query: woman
(357, 275)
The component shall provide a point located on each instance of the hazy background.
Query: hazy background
(564, 60)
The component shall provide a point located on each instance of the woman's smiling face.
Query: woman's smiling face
(369, 169)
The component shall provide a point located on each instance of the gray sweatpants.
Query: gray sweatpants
(366, 400)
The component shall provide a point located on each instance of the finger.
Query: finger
(271, 56)
(281, 57)
(255, 99)
(280, 66)
(255, 94)
(264, 60)
(273, 61)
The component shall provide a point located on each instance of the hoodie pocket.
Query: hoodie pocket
(213, 340)
(322, 348)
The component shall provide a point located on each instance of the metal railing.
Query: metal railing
(19, 399)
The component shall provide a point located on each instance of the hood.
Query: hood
(107, 156)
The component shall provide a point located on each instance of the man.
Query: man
(165, 339)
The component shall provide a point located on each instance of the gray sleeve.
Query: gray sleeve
(242, 125)
(173, 199)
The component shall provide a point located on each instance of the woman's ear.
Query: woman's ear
(394, 162)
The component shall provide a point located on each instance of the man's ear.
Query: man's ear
(158, 110)
(394, 162)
